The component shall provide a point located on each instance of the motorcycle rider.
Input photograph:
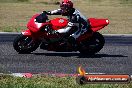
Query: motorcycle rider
(76, 20)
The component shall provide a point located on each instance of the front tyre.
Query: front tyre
(94, 45)
(25, 44)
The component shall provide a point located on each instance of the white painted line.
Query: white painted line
(9, 33)
(117, 35)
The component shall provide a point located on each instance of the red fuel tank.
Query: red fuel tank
(59, 23)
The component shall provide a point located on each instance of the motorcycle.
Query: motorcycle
(45, 36)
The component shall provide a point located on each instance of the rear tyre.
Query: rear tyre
(93, 45)
(25, 44)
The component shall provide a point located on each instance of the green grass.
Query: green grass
(51, 82)
(125, 1)
(15, 28)
(13, 1)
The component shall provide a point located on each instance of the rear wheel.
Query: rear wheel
(25, 44)
(93, 45)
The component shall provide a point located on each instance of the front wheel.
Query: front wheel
(92, 46)
(25, 44)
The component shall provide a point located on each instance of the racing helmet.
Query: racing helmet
(66, 6)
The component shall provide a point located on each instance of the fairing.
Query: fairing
(34, 26)
(97, 24)
(58, 23)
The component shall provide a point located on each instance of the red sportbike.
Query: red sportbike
(45, 36)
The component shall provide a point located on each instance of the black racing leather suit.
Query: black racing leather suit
(75, 19)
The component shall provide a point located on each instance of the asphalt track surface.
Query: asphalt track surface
(115, 57)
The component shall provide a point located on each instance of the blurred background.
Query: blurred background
(14, 14)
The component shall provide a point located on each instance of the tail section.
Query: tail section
(97, 24)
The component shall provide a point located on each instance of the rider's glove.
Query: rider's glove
(47, 12)
(70, 24)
